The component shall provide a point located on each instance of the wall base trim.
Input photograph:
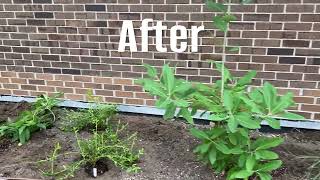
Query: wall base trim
(306, 124)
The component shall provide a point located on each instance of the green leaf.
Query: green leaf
(216, 6)
(168, 78)
(250, 163)
(212, 156)
(256, 96)
(170, 111)
(152, 72)
(22, 137)
(182, 87)
(181, 103)
(27, 133)
(285, 102)
(222, 148)
(266, 155)
(221, 67)
(229, 17)
(292, 116)
(254, 107)
(232, 124)
(266, 143)
(233, 138)
(275, 124)
(163, 103)
(270, 166)
(247, 79)
(245, 120)
(217, 117)
(242, 160)
(220, 23)
(202, 148)
(199, 134)
(186, 114)
(269, 95)
(264, 176)
(228, 100)
(154, 87)
(242, 174)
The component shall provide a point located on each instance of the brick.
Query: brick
(256, 17)
(267, 43)
(268, 26)
(305, 69)
(302, 84)
(292, 60)
(298, 26)
(99, 7)
(32, 22)
(289, 76)
(21, 1)
(270, 8)
(73, 8)
(280, 51)
(300, 8)
(42, 1)
(43, 15)
(307, 52)
(309, 35)
(295, 43)
(285, 17)
(312, 77)
(310, 17)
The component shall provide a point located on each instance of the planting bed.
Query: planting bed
(167, 150)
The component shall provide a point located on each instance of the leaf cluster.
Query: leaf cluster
(38, 118)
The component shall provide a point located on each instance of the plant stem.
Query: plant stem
(224, 56)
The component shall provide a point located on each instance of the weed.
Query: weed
(50, 168)
(39, 117)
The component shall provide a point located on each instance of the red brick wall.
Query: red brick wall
(71, 46)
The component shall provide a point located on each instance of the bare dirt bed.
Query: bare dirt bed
(168, 151)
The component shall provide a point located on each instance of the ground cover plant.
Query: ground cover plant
(108, 142)
(38, 118)
(228, 146)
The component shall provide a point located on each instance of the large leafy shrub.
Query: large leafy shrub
(228, 145)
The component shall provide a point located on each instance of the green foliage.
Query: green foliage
(109, 145)
(39, 117)
(227, 146)
(96, 116)
(86, 118)
(49, 167)
(112, 143)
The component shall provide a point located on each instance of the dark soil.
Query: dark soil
(167, 145)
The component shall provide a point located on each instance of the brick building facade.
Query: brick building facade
(71, 46)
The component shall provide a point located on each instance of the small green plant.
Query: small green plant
(49, 167)
(82, 119)
(97, 114)
(39, 117)
(109, 145)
